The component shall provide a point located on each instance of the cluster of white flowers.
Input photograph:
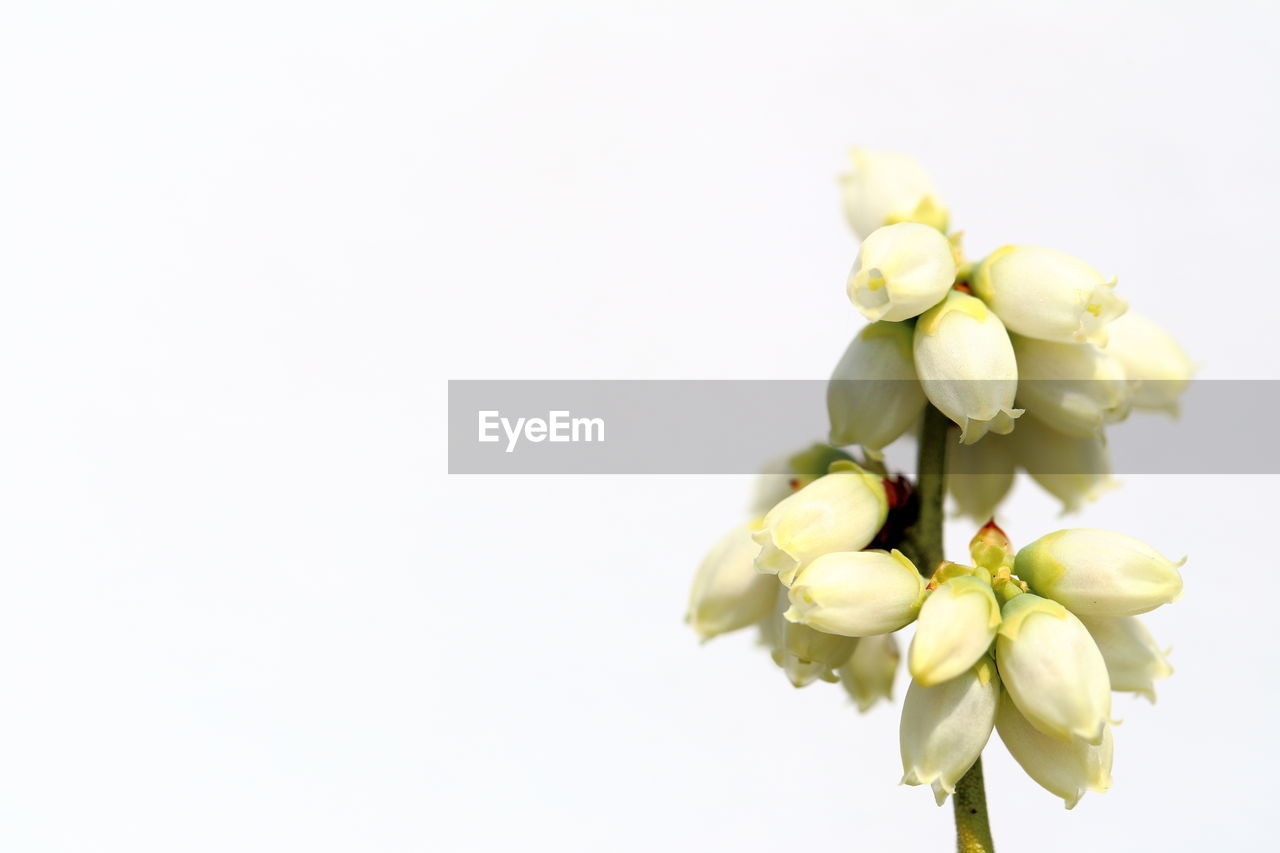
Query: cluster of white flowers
(1028, 643)
(1027, 337)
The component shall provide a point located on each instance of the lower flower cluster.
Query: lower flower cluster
(1028, 643)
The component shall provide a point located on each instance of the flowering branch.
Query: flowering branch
(1028, 643)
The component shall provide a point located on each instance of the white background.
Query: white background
(242, 247)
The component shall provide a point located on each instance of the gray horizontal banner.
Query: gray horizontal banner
(514, 427)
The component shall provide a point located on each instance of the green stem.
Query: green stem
(931, 470)
(973, 830)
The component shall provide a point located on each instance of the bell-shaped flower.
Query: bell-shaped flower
(874, 395)
(901, 271)
(1099, 572)
(810, 644)
(1076, 388)
(869, 673)
(1052, 668)
(1134, 661)
(980, 476)
(945, 727)
(966, 364)
(1065, 768)
(728, 593)
(774, 635)
(806, 655)
(1074, 470)
(1154, 363)
(955, 628)
(842, 511)
(857, 593)
(884, 187)
(1044, 293)
(800, 672)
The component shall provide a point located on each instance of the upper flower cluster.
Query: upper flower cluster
(1025, 330)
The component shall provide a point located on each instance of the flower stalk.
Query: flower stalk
(925, 536)
(973, 830)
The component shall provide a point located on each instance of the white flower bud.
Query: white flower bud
(1065, 768)
(902, 271)
(842, 511)
(869, 673)
(1074, 470)
(966, 365)
(874, 395)
(1134, 661)
(1153, 361)
(1076, 388)
(1099, 572)
(945, 727)
(979, 476)
(955, 628)
(1044, 293)
(1052, 668)
(884, 187)
(857, 593)
(728, 593)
